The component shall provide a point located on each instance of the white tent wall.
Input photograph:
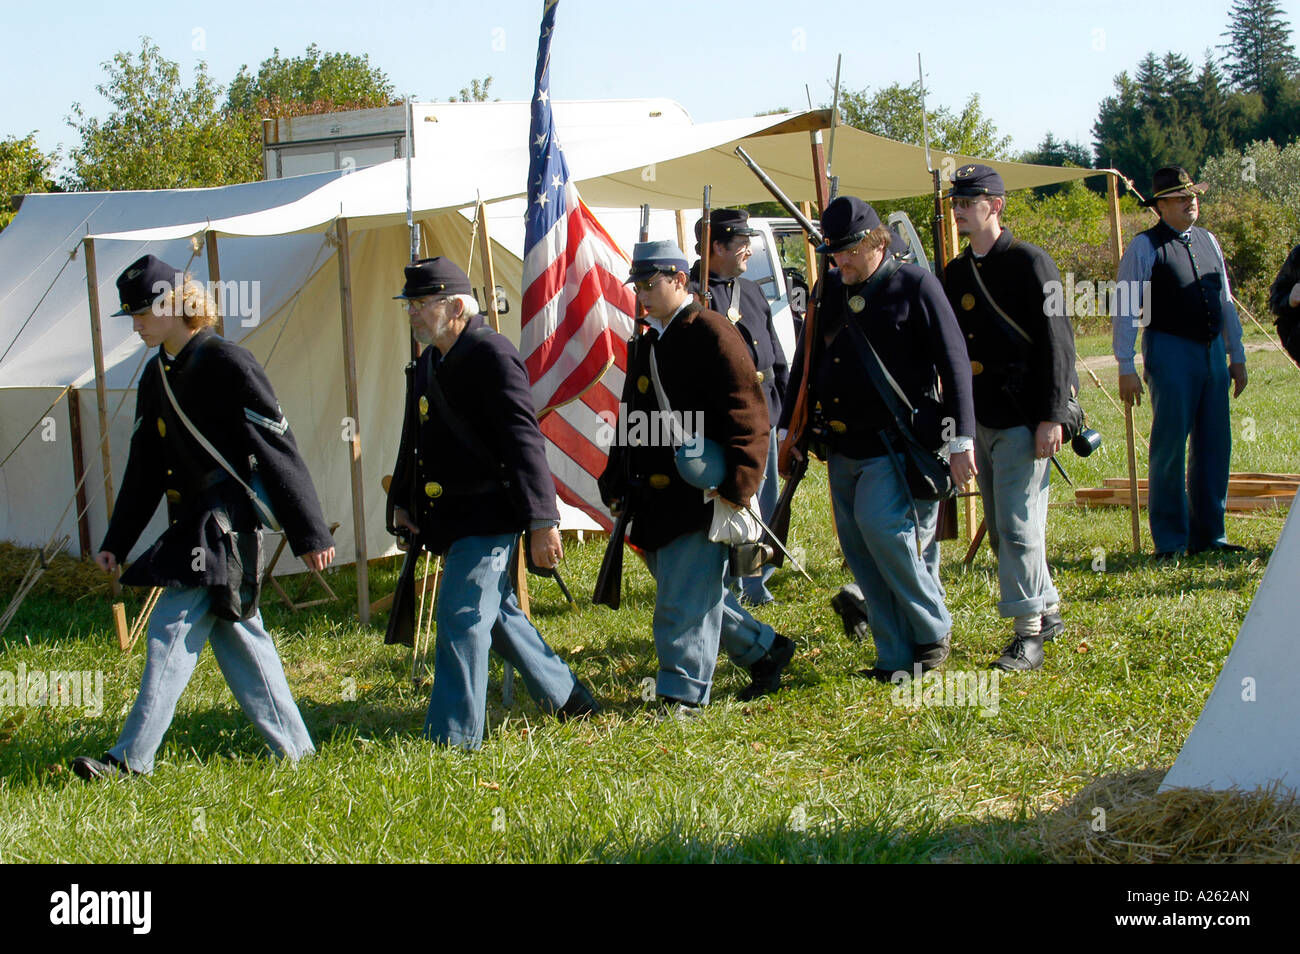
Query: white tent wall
(1246, 736)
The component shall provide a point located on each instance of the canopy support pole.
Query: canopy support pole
(101, 391)
(79, 472)
(819, 172)
(681, 230)
(489, 275)
(1117, 252)
(214, 275)
(350, 385)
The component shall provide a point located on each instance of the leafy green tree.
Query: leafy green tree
(475, 92)
(24, 169)
(160, 133)
(1259, 46)
(894, 112)
(321, 82)
(1058, 152)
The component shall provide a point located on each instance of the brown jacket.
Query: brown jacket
(709, 379)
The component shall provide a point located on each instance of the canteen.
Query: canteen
(702, 463)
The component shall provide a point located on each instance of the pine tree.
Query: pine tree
(1259, 48)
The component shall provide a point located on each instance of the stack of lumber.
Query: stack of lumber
(1245, 492)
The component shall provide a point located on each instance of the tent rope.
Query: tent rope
(1271, 340)
(37, 306)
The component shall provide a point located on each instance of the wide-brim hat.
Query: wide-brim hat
(845, 223)
(143, 282)
(434, 276)
(1171, 182)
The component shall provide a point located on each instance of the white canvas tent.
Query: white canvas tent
(281, 234)
(1248, 734)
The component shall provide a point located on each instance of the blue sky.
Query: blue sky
(1037, 66)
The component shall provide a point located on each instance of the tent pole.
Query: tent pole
(681, 230)
(214, 274)
(819, 169)
(1116, 252)
(79, 471)
(946, 255)
(810, 251)
(489, 276)
(101, 391)
(350, 383)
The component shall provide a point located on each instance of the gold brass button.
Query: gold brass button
(976, 367)
(424, 408)
(433, 489)
(967, 302)
(642, 384)
(162, 427)
(760, 376)
(660, 481)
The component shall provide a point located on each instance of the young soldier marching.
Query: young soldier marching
(1022, 367)
(209, 556)
(706, 375)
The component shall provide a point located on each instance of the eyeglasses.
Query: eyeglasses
(417, 304)
(645, 284)
(966, 202)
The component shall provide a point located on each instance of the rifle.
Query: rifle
(609, 580)
(936, 223)
(401, 618)
(797, 436)
(706, 246)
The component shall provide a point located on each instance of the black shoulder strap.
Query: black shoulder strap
(1019, 335)
(895, 399)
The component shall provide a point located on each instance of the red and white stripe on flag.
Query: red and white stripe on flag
(577, 316)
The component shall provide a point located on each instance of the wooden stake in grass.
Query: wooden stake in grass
(1132, 477)
(119, 623)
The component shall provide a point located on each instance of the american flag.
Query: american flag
(577, 312)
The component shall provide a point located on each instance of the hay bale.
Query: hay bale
(65, 577)
(1122, 819)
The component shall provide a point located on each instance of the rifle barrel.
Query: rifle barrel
(786, 203)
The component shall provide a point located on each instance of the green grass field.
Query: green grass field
(828, 770)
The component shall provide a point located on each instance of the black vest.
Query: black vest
(1186, 284)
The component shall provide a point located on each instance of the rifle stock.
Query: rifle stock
(609, 581)
(401, 617)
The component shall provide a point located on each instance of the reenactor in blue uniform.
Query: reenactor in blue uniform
(1023, 377)
(471, 475)
(1191, 347)
(902, 311)
(209, 558)
(707, 376)
(744, 304)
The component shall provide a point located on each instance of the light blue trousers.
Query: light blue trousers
(695, 614)
(178, 629)
(1189, 399)
(1014, 487)
(879, 538)
(477, 611)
